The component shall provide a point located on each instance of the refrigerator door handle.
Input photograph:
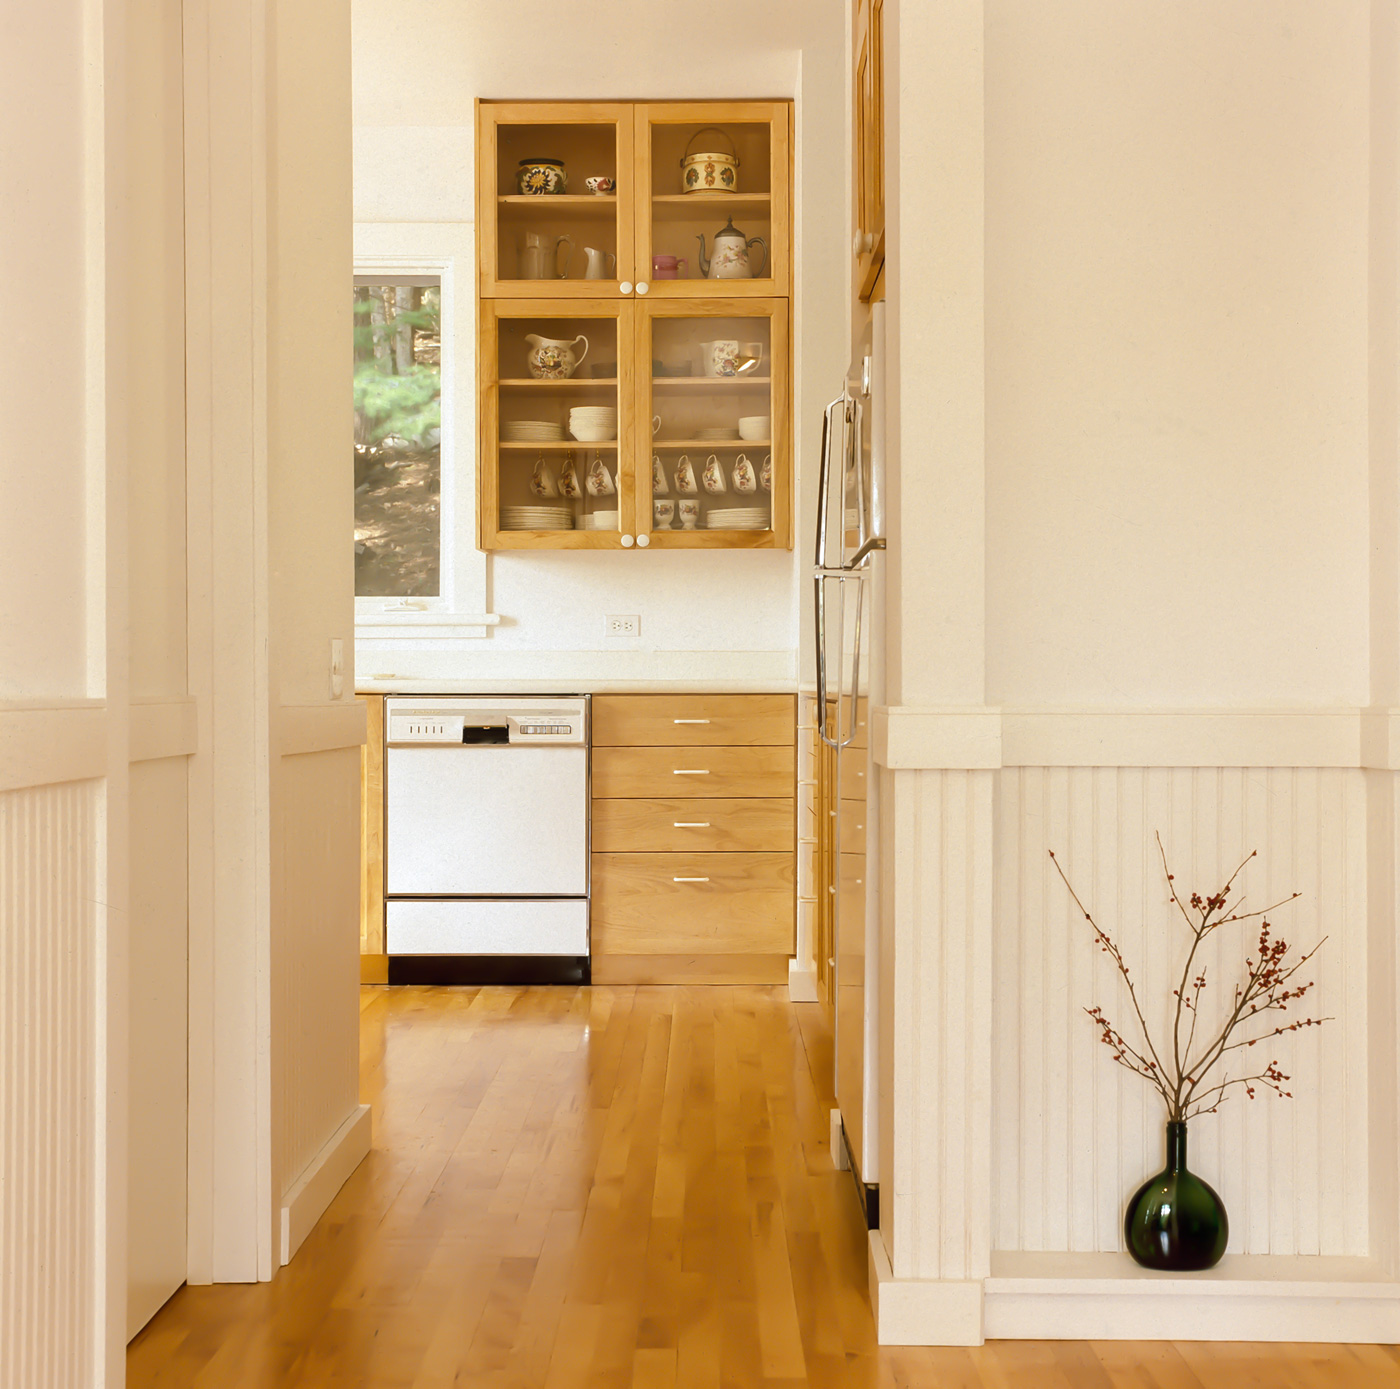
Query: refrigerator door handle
(824, 482)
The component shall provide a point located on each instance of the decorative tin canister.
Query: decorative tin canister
(710, 171)
(542, 176)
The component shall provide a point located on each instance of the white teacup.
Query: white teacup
(765, 473)
(713, 476)
(689, 510)
(744, 478)
(542, 483)
(685, 476)
(659, 486)
(755, 426)
(655, 424)
(662, 511)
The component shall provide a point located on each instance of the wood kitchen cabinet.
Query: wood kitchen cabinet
(632, 355)
(693, 838)
(697, 370)
(868, 147)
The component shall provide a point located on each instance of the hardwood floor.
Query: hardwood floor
(616, 1187)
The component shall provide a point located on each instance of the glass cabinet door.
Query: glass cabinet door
(554, 199)
(713, 212)
(716, 406)
(556, 430)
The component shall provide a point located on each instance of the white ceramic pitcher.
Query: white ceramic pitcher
(597, 267)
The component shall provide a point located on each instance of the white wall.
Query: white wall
(722, 619)
(1176, 203)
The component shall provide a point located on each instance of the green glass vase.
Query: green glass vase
(1175, 1222)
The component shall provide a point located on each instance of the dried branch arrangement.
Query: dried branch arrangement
(1182, 1071)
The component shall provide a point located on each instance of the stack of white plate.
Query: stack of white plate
(537, 518)
(600, 521)
(723, 431)
(531, 431)
(593, 423)
(738, 518)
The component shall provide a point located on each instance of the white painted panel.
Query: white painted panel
(315, 955)
(159, 1038)
(48, 953)
(1074, 1134)
(44, 566)
(940, 837)
(557, 926)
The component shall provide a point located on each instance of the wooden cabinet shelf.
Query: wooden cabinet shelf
(671, 340)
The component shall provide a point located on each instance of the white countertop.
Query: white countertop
(552, 687)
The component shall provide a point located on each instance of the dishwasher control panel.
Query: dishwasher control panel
(479, 721)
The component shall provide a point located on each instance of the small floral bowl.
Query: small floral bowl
(599, 184)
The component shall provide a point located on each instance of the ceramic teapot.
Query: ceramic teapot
(553, 359)
(539, 256)
(731, 258)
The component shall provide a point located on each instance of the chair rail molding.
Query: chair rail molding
(988, 737)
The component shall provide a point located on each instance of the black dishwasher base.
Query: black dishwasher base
(489, 969)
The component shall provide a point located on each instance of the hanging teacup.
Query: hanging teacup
(765, 473)
(714, 476)
(659, 486)
(600, 483)
(569, 485)
(542, 484)
(685, 476)
(744, 479)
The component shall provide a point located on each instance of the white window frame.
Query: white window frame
(447, 251)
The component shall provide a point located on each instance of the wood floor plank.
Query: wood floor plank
(617, 1188)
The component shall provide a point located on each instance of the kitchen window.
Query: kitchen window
(419, 513)
(398, 436)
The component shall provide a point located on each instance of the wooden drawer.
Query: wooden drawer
(855, 773)
(852, 827)
(683, 773)
(735, 904)
(693, 720)
(670, 825)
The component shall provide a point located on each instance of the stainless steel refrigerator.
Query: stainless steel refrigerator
(850, 581)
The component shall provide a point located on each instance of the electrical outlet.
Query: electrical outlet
(337, 668)
(622, 626)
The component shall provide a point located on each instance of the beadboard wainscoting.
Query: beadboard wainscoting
(49, 1108)
(1074, 1134)
(1002, 1202)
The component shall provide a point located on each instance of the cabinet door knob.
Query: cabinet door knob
(626, 287)
(627, 542)
(862, 242)
(642, 286)
(643, 541)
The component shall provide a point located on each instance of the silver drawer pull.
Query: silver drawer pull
(690, 824)
(690, 880)
(691, 771)
(690, 720)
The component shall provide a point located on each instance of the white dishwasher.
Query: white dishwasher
(486, 839)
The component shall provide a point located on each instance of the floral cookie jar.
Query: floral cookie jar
(710, 171)
(553, 359)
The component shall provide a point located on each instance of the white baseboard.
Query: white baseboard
(1072, 1297)
(802, 984)
(327, 1172)
(840, 1159)
(921, 1312)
